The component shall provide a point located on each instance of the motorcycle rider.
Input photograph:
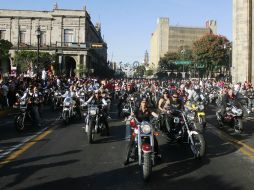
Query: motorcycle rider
(228, 96)
(33, 94)
(175, 104)
(142, 114)
(71, 93)
(98, 100)
(162, 105)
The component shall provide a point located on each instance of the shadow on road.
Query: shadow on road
(128, 178)
(23, 172)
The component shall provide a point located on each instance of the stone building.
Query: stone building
(168, 38)
(243, 50)
(68, 33)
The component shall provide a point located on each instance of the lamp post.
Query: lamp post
(38, 34)
(228, 47)
(183, 51)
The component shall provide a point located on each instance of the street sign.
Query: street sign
(183, 62)
(200, 66)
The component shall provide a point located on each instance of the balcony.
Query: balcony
(57, 45)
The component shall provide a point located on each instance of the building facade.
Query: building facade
(68, 33)
(243, 43)
(168, 38)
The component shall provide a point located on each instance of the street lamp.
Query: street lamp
(228, 47)
(38, 34)
(183, 51)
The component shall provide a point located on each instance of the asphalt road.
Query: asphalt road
(61, 158)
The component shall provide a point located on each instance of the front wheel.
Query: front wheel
(90, 133)
(198, 126)
(20, 122)
(66, 118)
(238, 125)
(198, 145)
(202, 121)
(146, 167)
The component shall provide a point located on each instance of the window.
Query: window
(2, 34)
(68, 37)
(43, 38)
(22, 37)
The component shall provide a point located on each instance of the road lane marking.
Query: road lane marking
(24, 148)
(17, 150)
(243, 147)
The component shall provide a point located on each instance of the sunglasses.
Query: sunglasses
(97, 93)
(175, 96)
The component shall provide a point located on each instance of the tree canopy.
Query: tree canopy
(5, 46)
(26, 59)
(211, 50)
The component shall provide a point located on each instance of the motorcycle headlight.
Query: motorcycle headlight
(67, 104)
(201, 107)
(191, 116)
(92, 111)
(23, 103)
(237, 112)
(146, 129)
(56, 93)
(176, 120)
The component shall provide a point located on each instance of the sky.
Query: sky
(127, 25)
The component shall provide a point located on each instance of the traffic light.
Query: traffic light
(96, 45)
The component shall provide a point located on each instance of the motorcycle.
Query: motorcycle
(82, 99)
(25, 115)
(93, 122)
(128, 106)
(142, 145)
(196, 115)
(182, 130)
(56, 100)
(70, 110)
(233, 117)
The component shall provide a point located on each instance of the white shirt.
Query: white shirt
(43, 75)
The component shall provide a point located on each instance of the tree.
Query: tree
(140, 71)
(210, 50)
(168, 62)
(5, 46)
(149, 72)
(25, 59)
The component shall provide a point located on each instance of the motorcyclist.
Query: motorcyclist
(98, 100)
(227, 97)
(162, 105)
(143, 114)
(175, 104)
(71, 93)
(36, 98)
